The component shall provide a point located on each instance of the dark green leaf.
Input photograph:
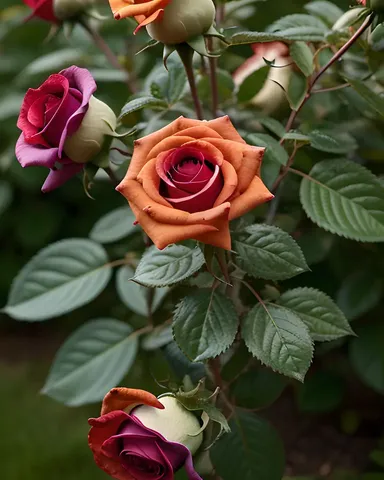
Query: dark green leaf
(140, 103)
(279, 339)
(326, 11)
(205, 324)
(252, 84)
(303, 57)
(274, 150)
(332, 141)
(297, 90)
(322, 392)
(374, 100)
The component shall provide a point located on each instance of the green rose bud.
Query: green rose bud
(88, 140)
(65, 9)
(183, 20)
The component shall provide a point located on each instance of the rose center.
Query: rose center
(142, 467)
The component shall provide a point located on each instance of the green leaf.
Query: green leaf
(136, 297)
(332, 141)
(113, 226)
(326, 11)
(359, 293)
(253, 450)
(60, 278)
(377, 38)
(181, 365)
(322, 392)
(161, 336)
(274, 151)
(257, 389)
(140, 103)
(373, 99)
(268, 252)
(160, 268)
(205, 324)
(297, 137)
(252, 84)
(367, 355)
(5, 196)
(297, 90)
(93, 360)
(303, 57)
(320, 314)
(316, 245)
(345, 198)
(300, 27)
(279, 339)
(271, 124)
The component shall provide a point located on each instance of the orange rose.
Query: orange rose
(144, 11)
(189, 179)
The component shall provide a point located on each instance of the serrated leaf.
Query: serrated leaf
(140, 103)
(345, 198)
(279, 339)
(136, 297)
(367, 355)
(274, 150)
(302, 55)
(60, 278)
(205, 324)
(359, 293)
(304, 33)
(160, 268)
(93, 360)
(332, 141)
(253, 450)
(297, 137)
(272, 124)
(113, 226)
(265, 251)
(319, 312)
(326, 11)
(374, 100)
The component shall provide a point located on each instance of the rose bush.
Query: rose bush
(63, 126)
(189, 179)
(168, 21)
(271, 95)
(147, 442)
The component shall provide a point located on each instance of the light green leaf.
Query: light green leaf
(205, 324)
(274, 151)
(60, 278)
(367, 355)
(297, 137)
(253, 450)
(140, 103)
(113, 226)
(160, 268)
(326, 11)
(279, 339)
(320, 314)
(136, 297)
(332, 141)
(265, 251)
(345, 198)
(303, 57)
(93, 360)
(359, 293)
(372, 98)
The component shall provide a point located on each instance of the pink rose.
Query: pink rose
(145, 442)
(42, 9)
(63, 125)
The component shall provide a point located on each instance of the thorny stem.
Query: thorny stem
(186, 54)
(103, 46)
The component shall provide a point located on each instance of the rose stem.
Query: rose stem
(112, 176)
(367, 22)
(186, 54)
(213, 79)
(105, 49)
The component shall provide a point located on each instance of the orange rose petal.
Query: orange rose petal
(145, 144)
(211, 153)
(122, 10)
(230, 183)
(163, 235)
(225, 128)
(158, 15)
(150, 180)
(250, 167)
(168, 144)
(232, 151)
(221, 238)
(256, 194)
(199, 132)
(127, 398)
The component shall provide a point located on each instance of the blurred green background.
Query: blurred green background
(39, 438)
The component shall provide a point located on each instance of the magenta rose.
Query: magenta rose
(151, 442)
(42, 9)
(63, 126)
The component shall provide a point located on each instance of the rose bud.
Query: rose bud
(271, 95)
(141, 437)
(55, 11)
(168, 21)
(63, 125)
(189, 179)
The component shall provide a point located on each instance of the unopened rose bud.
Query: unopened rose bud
(88, 140)
(182, 20)
(175, 423)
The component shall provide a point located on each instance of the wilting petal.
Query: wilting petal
(127, 398)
